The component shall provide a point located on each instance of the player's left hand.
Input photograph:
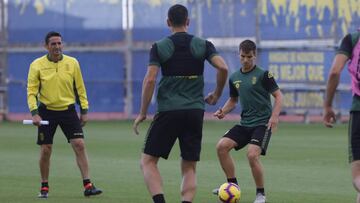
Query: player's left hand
(83, 119)
(137, 121)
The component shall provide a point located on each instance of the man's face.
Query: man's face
(247, 59)
(54, 46)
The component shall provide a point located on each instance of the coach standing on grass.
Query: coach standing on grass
(54, 85)
(349, 51)
(180, 99)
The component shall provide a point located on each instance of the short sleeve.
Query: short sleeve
(210, 50)
(269, 82)
(233, 90)
(346, 46)
(154, 56)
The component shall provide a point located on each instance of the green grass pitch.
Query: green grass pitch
(305, 163)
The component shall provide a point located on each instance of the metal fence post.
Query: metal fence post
(3, 60)
(128, 61)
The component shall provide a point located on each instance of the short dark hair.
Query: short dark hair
(177, 15)
(247, 46)
(51, 34)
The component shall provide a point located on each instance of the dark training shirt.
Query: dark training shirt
(181, 58)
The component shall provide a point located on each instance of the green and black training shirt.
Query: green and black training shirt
(253, 89)
(181, 58)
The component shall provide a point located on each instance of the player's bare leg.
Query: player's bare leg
(253, 156)
(44, 165)
(44, 161)
(223, 148)
(355, 170)
(151, 174)
(188, 185)
(78, 146)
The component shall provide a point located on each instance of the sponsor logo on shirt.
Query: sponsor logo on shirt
(270, 75)
(190, 77)
(253, 80)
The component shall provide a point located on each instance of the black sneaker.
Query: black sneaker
(43, 192)
(91, 190)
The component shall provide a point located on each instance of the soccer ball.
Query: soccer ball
(229, 193)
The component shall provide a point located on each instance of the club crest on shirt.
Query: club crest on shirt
(270, 75)
(253, 80)
(67, 68)
(237, 84)
(41, 136)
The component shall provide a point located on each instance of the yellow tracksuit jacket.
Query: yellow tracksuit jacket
(57, 85)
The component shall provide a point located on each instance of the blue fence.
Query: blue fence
(85, 23)
(103, 74)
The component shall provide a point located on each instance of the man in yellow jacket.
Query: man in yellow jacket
(54, 85)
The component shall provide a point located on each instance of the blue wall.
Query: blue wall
(103, 74)
(100, 23)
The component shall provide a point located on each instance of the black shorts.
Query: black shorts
(354, 136)
(68, 120)
(185, 125)
(242, 135)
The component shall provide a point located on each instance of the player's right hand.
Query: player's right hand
(137, 121)
(36, 119)
(329, 117)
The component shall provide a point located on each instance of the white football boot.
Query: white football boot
(260, 198)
